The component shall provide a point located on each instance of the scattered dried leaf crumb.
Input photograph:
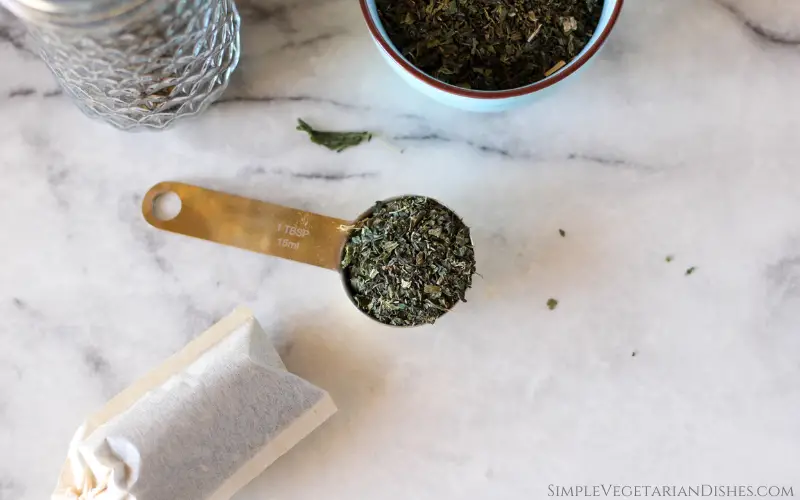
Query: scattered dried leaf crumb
(669, 258)
(633, 354)
(335, 141)
(690, 270)
(535, 32)
(552, 303)
(562, 233)
(558, 66)
(569, 24)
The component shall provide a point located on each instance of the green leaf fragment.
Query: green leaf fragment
(552, 303)
(389, 246)
(335, 141)
(348, 256)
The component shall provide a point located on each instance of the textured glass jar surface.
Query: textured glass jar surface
(170, 61)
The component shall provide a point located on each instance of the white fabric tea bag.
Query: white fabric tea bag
(200, 426)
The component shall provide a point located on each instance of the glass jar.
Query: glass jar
(136, 63)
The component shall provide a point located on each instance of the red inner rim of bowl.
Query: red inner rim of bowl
(491, 94)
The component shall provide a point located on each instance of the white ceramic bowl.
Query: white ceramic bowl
(482, 100)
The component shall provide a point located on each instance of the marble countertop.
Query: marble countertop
(681, 139)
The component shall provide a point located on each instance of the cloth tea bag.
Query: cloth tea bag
(200, 426)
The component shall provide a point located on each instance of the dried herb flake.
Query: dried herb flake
(552, 304)
(336, 141)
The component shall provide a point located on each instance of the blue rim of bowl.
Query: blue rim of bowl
(572, 67)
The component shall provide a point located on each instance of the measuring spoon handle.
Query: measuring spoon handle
(251, 224)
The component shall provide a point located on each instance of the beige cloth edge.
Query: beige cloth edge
(174, 364)
(286, 440)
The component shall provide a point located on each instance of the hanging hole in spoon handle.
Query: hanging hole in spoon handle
(250, 224)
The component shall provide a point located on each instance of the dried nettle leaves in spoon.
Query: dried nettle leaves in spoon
(409, 261)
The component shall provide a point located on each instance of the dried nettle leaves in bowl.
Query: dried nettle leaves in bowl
(408, 261)
(489, 44)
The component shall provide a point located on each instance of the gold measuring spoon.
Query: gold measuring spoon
(255, 225)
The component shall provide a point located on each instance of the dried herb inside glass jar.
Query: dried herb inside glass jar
(409, 261)
(490, 44)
